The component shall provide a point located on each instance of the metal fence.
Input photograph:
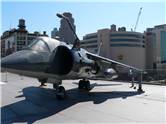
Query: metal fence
(158, 75)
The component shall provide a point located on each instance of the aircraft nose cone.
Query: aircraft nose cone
(13, 61)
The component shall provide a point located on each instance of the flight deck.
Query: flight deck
(23, 101)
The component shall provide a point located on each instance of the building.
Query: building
(54, 33)
(90, 42)
(156, 47)
(15, 39)
(65, 34)
(123, 46)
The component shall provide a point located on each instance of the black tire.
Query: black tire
(81, 84)
(87, 85)
(55, 86)
(61, 93)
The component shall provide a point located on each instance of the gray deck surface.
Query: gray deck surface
(22, 101)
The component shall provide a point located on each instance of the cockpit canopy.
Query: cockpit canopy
(44, 44)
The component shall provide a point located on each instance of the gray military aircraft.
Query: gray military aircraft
(50, 60)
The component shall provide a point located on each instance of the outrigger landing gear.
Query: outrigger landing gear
(140, 84)
(60, 91)
(132, 83)
(84, 84)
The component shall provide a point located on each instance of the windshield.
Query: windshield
(39, 45)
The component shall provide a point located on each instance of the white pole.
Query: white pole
(6, 76)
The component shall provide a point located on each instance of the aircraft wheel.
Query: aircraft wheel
(87, 85)
(61, 93)
(81, 84)
(55, 86)
(84, 85)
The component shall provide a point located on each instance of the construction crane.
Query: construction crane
(137, 19)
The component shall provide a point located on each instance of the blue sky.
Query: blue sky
(89, 16)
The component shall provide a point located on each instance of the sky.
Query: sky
(89, 16)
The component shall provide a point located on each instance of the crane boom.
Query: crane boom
(137, 19)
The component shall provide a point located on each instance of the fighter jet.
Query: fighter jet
(51, 61)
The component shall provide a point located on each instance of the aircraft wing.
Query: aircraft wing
(110, 61)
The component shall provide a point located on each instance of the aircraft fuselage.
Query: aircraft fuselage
(56, 62)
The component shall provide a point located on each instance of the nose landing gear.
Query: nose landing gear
(83, 85)
(60, 91)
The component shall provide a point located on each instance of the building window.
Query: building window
(126, 35)
(21, 37)
(31, 38)
(125, 40)
(120, 57)
(87, 42)
(8, 44)
(90, 37)
(126, 45)
(163, 46)
(19, 48)
(154, 41)
(20, 42)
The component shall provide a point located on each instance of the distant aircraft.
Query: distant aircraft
(52, 61)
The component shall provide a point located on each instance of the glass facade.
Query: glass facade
(126, 35)
(87, 42)
(163, 46)
(154, 40)
(126, 45)
(125, 40)
(89, 37)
